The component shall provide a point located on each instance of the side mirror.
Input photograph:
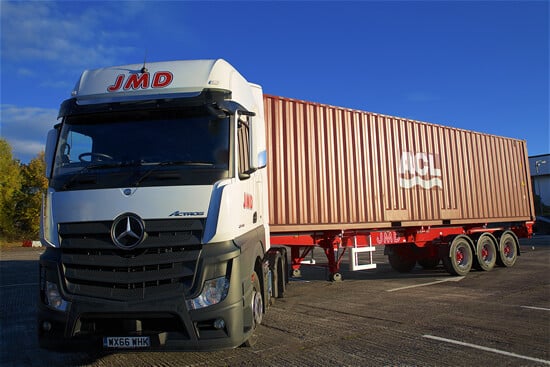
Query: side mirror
(50, 151)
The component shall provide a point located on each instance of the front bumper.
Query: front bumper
(164, 317)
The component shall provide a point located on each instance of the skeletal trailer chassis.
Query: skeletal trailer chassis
(459, 247)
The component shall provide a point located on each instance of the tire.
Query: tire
(282, 280)
(274, 261)
(460, 258)
(400, 263)
(278, 274)
(429, 263)
(486, 252)
(507, 249)
(257, 308)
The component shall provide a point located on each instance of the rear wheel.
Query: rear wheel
(400, 263)
(486, 252)
(460, 259)
(429, 263)
(278, 273)
(507, 250)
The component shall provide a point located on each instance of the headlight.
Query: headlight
(53, 297)
(213, 292)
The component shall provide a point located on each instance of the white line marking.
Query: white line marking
(536, 308)
(17, 285)
(492, 350)
(450, 279)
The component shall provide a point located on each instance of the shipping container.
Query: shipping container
(334, 168)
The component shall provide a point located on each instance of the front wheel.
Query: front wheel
(257, 308)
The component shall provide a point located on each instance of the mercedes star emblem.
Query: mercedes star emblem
(128, 231)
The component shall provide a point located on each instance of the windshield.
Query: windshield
(142, 148)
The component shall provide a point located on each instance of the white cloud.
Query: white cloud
(25, 128)
(64, 34)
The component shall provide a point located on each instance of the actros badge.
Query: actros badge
(128, 231)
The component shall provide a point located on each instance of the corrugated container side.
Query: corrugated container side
(333, 168)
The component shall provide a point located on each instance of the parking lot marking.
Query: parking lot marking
(536, 308)
(450, 279)
(492, 350)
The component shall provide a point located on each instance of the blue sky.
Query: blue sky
(477, 65)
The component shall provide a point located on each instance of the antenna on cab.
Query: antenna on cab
(144, 69)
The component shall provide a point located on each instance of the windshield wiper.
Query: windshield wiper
(158, 165)
(94, 166)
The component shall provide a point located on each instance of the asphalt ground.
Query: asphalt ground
(372, 318)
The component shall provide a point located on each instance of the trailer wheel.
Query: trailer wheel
(460, 259)
(486, 252)
(507, 250)
(400, 263)
(257, 306)
(429, 263)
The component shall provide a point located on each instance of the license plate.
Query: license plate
(126, 342)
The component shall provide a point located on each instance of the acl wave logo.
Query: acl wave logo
(420, 169)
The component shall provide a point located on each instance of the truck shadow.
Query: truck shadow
(319, 272)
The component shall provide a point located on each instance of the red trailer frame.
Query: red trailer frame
(460, 247)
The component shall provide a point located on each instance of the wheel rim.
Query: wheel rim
(257, 307)
(508, 251)
(487, 254)
(461, 257)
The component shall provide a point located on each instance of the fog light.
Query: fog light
(46, 326)
(53, 297)
(219, 323)
(214, 291)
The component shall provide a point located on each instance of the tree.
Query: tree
(10, 184)
(29, 198)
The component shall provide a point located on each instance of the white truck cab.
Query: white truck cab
(155, 220)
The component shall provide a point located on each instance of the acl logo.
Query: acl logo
(420, 169)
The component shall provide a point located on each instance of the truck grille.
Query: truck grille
(164, 262)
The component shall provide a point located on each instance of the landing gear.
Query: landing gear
(336, 277)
